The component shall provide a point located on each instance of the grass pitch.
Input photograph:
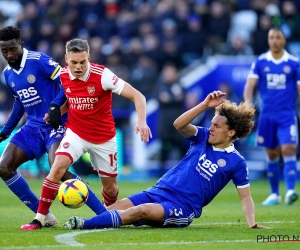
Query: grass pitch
(221, 226)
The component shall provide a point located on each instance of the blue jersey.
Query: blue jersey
(277, 82)
(35, 85)
(203, 173)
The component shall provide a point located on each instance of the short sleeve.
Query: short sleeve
(241, 175)
(50, 67)
(111, 82)
(254, 73)
(200, 135)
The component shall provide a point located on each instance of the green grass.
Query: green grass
(221, 226)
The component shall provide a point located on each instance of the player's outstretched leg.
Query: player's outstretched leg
(108, 219)
(74, 223)
(92, 202)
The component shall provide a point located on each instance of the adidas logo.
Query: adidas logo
(68, 90)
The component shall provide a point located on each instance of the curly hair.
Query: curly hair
(9, 33)
(239, 117)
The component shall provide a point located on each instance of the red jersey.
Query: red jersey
(90, 102)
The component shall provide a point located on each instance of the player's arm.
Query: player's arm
(249, 89)
(13, 120)
(63, 109)
(298, 87)
(139, 100)
(183, 122)
(248, 207)
(54, 113)
(60, 99)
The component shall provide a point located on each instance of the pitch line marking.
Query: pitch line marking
(67, 239)
(125, 244)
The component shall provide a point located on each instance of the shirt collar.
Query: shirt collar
(84, 77)
(23, 61)
(229, 149)
(284, 57)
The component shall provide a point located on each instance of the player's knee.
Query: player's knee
(142, 211)
(289, 151)
(5, 171)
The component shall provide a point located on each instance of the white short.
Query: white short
(103, 156)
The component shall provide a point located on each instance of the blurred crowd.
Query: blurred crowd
(148, 42)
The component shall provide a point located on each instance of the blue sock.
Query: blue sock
(108, 219)
(92, 202)
(290, 171)
(273, 173)
(18, 185)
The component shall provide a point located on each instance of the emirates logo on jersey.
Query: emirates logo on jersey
(91, 90)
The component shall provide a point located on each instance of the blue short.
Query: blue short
(276, 130)
(36, 141)
(176, 214)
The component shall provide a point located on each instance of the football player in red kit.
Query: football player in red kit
(90, 125)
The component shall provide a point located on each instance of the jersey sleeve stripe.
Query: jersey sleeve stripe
(253, 76)
(97, 70)
(243, 186)
(55, 73)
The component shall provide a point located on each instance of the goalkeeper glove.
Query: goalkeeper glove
(54, 116)
(3, 136)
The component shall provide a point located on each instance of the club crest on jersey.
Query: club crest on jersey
(91, 90)
(66, 145)
(221, 163)
(286, 69)
(267, 69)
(13, 84)
(31, 78)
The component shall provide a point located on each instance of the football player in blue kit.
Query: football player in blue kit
(33, 79)
(276, 75)
(210, 163)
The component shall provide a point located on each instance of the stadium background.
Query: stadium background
(209, 43)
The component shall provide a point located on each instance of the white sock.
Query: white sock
(41, 218)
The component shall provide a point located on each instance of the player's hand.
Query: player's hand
(54, 116)
(256, 226)
(3, 136)
(46, 118)
(144, 130)
(214, 99)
